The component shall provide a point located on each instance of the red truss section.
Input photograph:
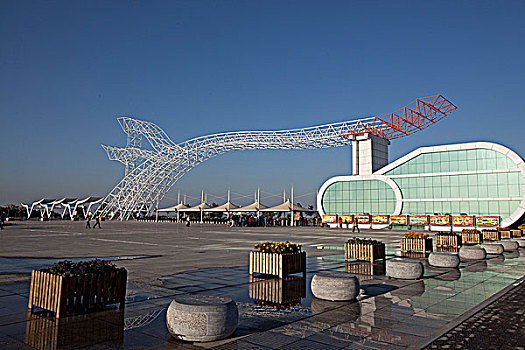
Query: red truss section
(418, 115)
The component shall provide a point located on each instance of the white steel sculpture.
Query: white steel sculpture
(150, 174)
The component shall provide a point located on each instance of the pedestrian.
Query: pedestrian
(97, 222)
(2, 218)
(340, 222)
(346, 222)
(88, 221)
(356, 226)
(265, 221)
(188, 221)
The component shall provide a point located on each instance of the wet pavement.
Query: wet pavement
(389, 313)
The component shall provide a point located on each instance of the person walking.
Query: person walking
(88, 221)
(355, 226)
(2, 218)
(340, 222)
(188, 221)
(97, 222)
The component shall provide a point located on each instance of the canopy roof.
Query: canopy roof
(255, 206)
(287, 206)
(228, 206)
(202, 206)
(175, 208)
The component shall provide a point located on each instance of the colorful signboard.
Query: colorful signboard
(463, 220)
(418, 220)
(380, 219)
(329, 219)
(487, 220)
(363, 219)
(439, 220)
(398, 219)
(346, 218)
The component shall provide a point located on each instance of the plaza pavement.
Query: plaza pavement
(167, 259)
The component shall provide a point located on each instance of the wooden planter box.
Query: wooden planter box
(278, 290)
(505, 234)
(367, 252)
(491, 235)
(277, 264)
(448, 240)
(516, 233)
(447, 249)
(76, 294)
(416, 244)
(102, 329)
(471, 237)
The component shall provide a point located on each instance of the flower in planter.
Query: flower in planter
(67, 268)
(278, 247)
(415, 235)
(470, 230)
(363, 241)
(446, 234)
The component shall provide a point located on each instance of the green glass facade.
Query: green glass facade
(350, 197)
(477, 181)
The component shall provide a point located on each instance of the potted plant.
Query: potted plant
(504, 232)
(471, 236)
(448, 239)
(278, 259)
(491, 235)
(416, 242)
(77, 288)
(364, 249)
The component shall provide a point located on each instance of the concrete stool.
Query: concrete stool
(202, 317)
(509, 246)
(521, 242)
(472, 253)
(404, 269)
(492, 248)
(443, 260)
(335, 286)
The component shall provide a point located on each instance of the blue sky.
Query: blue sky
(69, 68)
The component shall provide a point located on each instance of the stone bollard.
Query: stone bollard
(202, 317)
(509, 246)
(521, 242)
(472, 253)
(492, 248)
(443, 260)
(335, 286)
(404, 269)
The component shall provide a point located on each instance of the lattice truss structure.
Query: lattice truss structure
(150, 174)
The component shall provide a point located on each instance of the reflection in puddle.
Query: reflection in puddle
(421, 255)
(277, 293)
(43, 332)
(366, 268)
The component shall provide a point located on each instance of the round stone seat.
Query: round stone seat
(335, 286)
(443, 260)
(202, 317)
(492, 248)
(509, 246)
(521, 242)
(404, 269)
(472, 253)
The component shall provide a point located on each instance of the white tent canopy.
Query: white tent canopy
(254, 207)
(226, 207)
(287, 206)
(202, 206)
(174, 208)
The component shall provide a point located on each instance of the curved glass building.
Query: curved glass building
(478, 179)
